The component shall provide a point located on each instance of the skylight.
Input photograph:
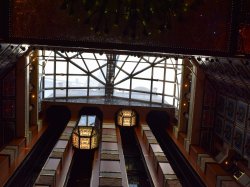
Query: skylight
(148, 79)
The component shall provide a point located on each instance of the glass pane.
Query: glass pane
(150, 59)
(49, 67)
(124, 84)
(121, 58)
(99, 75)
(141, 85)
(141, 66)
(77, 92)
(157, 98)
(140, 96)
(94, 83)
(61, 67)
(170, 75)
(129, 66)
(92, 64)
(145, 74)
(60, 92)
(75, 70)
(80, 63)
(168, 100)
(169, 88)
(48, 81)
(180, 62)
(121, 93)
(77, 81)
(158, 73)
(157, 87)
(120, 76)
(49, 53)
(102, 62)
(160, 62)
(48, 93)
(170, 63)
(88, 55)
(97, 92)
(60, 81)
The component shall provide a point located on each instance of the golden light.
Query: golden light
(33, 96)
(126, 118)
(86, 133)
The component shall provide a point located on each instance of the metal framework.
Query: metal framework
(148, 79)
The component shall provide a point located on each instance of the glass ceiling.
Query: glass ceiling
(92, 75)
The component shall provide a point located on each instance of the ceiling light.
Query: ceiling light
(86, 133)
(126, 118)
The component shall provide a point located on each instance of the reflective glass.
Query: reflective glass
(77, 92)
(48, 81)
(49, 67)
(77, 81)
(61, 67)
(60, 92)
(141, 85)
(61, 81)
(140, 96)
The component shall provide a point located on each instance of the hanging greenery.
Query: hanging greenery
(132, 16)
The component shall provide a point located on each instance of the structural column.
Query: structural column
(195, 108)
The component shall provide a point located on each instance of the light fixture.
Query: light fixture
(126, 118)
(86, 133)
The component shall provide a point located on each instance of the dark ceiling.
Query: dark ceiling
(204, 27)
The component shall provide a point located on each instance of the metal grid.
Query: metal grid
(148, 79)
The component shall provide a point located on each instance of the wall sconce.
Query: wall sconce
(86, 133)
(126, 118)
